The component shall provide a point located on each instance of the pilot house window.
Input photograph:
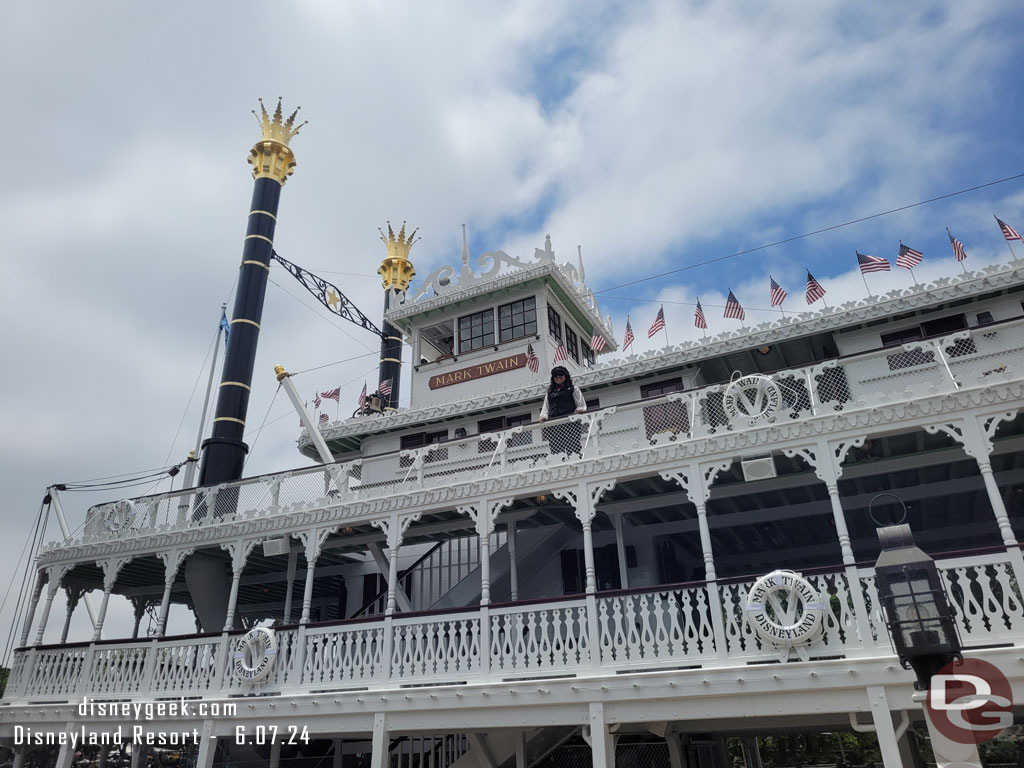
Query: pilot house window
(517, 319)
(476, 331)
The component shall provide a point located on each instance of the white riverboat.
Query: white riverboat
(452, 589)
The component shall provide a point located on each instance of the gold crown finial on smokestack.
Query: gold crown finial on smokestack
(396, 270)
(271, 157)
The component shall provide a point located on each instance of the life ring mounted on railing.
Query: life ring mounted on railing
(784, 609)
(752, 399)
(253, 656)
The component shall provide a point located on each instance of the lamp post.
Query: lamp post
(920, 623)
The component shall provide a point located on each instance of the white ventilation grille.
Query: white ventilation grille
(758, 469)
(272, 547)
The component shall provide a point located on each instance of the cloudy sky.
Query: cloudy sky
(657, 135)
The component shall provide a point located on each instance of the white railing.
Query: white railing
(963, 360)
(662, 627)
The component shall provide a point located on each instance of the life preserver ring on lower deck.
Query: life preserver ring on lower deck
(784, 627)
(253, 656)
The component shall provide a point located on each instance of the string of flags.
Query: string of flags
(906, 258)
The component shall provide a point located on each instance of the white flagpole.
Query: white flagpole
(910, 269)
(864, 277)
(951, 239)
(1014, 255)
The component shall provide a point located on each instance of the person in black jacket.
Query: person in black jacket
(563, 399)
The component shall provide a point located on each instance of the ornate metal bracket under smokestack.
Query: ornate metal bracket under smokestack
(397, 272)
(272, 163)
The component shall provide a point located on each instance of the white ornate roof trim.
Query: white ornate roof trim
(491, 277)
(792, 326)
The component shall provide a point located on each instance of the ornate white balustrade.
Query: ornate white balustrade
(662, 627)
(965, 360)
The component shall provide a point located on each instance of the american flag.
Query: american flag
(658, 324)
(733, 308)
(362, 397)
(323, 419)
(627, 340)
(1008, 232)
(908, 258)
(871, 263)
(532, 361)
(316, 402)
(561, 354)
(597, 342)
(333, 394)
(778, 293)
(385, 388)
(698, 316)
(958, 247)
(814, 289)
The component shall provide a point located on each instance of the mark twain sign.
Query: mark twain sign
(477, 371)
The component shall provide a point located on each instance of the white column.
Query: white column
(172, 563)
(602, 743)
(336, 761)
(379, 742)
(111, 568)
(275, 754)
(975, 435)
(513, 565)
(293, 557)
(74, 595)
(239, 551)
(307, 589)
(36, 593)
(207, 746)
(887, 742)
(67, 751)
(520, 749)
(229, 619)
(165, 605)
(389, 610)
(51, 592)
(19, 757)
(485, 569)
(620, 545)
(826, 458)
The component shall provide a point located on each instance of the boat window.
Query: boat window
(437, 342)
(517, 320)
(554, 324)
(661, 388)
(476, 331)
(900, 337)
(424, 438)
(587, 353)
(944, 325)
(571, 343)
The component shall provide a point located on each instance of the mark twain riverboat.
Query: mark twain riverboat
(442, 588)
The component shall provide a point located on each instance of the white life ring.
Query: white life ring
(121, 516)
(752, 399)
(253, 658)
(784, 626)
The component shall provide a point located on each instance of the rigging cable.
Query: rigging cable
(814, 232)
(26, 586)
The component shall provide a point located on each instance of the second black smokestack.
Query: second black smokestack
(397, 272)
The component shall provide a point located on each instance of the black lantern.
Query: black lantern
(917, 612)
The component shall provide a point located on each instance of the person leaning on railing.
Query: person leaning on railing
(563, 399)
